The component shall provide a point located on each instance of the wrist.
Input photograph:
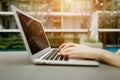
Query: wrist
(98, 53)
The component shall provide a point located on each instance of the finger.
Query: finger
(59, 49)
(63, 52)
(64, 56)
(64, 48)
(70, 53)
(66, 51)
(73, 56)
(61, 46)
(67, 46)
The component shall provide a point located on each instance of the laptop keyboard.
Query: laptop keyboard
(53, 56)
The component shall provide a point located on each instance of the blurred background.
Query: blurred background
(65, 21)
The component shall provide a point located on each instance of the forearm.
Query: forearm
(108, 57)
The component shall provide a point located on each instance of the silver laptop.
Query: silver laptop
(37, 44)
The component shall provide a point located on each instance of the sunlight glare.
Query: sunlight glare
(69, 1)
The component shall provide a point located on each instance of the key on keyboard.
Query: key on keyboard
(53, 56)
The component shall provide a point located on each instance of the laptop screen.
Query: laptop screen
(34, 33)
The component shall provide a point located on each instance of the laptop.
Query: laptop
(37, 43)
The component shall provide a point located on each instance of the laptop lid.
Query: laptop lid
(32, 33)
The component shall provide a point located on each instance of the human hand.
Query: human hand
(77, 51)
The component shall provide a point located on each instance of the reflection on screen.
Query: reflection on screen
(34, 33)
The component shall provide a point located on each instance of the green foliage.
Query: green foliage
(17, 43)
(90, 41)
(11, 43)
(56, 41)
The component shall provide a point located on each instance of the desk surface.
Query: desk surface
(19, 67)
